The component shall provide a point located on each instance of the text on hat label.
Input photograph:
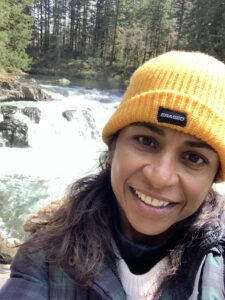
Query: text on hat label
(166, 115)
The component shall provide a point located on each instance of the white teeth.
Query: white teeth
(151, 201)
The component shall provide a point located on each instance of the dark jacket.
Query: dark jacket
(201, 275)
(33, 279)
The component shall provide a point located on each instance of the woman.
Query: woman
(149, 225)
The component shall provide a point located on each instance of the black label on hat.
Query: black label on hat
(166, 115)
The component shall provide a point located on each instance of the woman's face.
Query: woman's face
(159, 176)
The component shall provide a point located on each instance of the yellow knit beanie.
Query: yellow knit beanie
(180, 90)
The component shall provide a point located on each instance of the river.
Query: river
(60, 151)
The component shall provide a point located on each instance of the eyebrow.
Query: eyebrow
(198, 145)
(153, 128)
(161, 132)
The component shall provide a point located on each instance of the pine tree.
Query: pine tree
(218, 29)
(179, 12)
(4, 38)
(155, 18)
(15, 33)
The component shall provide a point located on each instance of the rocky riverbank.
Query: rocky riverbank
(13, 132)
(15, 90)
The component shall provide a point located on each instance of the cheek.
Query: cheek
(123, 167)
(119, 171)
(196, 193)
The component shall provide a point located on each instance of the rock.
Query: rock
(9, 111)
(37, 220)
(34, 93)
(10, 91)
(117, 77)
(15, 132)
(3, 141)
(84, 118)
(9, 85)
(7, 250)
(33, 113)
(13, 242)
(32, 80)
(91, 123)
(63, 81)
(107, 100)
(69, 114)
(22, 91)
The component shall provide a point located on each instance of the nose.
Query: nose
(162, 172)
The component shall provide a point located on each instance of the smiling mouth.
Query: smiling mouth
(151, 201)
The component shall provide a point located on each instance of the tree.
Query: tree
(205, 28)
(15, 33)
(155, 19)
(180, 10)
(117, 8)
(4, 39)
(217, 30)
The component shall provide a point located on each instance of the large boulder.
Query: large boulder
(14, 90)
(90, 123)
(3, 142)
(9, 111)
(70, 114)
(33, 113)
(63, 81)
(10, 91)
(83, 117)
(35, 93)
(15, 132)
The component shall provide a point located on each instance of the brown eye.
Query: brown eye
(146, 141)
(195, 158)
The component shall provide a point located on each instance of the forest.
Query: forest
(119, 34)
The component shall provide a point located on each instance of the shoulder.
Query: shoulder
(33, 278)
(212, 275)
(28, 278)
(211, 279)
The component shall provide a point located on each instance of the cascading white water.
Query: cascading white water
(60, 151)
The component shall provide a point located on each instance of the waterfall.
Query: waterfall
(60, 151)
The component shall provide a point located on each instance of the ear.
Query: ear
(111, 150)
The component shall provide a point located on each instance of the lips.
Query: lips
(151, 201)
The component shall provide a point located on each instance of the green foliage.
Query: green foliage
(15, 34)
(4, 19)
(118, 32)
(110, 32)
(205, 27)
